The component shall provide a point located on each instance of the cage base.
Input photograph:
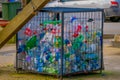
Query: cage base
(19, 70)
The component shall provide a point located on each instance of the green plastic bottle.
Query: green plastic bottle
(31, 43)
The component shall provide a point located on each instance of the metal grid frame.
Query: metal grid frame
(62, 12)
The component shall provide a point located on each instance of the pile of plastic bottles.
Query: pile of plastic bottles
(42, 47)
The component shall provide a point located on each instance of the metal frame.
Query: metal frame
(102, 61)
(56, 10)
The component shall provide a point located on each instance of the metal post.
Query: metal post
(62, 47)
(102, 62)
(16, 63)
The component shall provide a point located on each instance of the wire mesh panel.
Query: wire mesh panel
(60, 41)
(83, 42)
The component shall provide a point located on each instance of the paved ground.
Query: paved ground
(7, 55)
(111, 61)
(111, 56)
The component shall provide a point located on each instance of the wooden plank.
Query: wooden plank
(108, 36)
(20, 20)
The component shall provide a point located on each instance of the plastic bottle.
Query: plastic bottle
(93, 47)
(31, 43)
(57, 42)
(28, 58)
(28, 31)
(73, 19)
(77, 43)
(52, 22)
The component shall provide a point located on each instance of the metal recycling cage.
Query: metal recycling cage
(61, 41)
